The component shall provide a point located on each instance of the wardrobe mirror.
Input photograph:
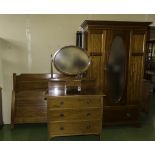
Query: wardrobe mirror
(116, 69)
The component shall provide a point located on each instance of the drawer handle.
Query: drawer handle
(88, 114)
(88, 102)
(45, 98)
(61, 102)
(61, 115)
(61, 128)
(88, 126)
(128, 114)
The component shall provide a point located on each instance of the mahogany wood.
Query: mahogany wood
(28, 104)
(74, 114)
(98, 36)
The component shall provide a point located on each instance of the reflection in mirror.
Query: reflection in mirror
(71, 60)
(116, 69)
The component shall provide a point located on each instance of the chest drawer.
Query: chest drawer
(122, 115)
(74, 128)
(74, 102)
(75, 114)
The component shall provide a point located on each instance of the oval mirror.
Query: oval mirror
(116, 69)
(71, 60)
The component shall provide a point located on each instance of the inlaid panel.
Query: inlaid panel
(135, 78)
(95, 70)
(96, 48)
(136, 67)
(138, 42)
(95, 42)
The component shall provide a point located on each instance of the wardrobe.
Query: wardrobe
(117, 51)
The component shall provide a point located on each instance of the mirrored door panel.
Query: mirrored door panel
(117, 69)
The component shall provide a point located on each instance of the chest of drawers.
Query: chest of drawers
(74, 115)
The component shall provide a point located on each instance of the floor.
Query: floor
(38, 132)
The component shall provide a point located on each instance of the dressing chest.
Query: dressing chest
(73, 114)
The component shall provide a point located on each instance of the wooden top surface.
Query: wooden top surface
(62, 93)
(69, 79)
(116, 23)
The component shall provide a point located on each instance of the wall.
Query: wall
(27, 41)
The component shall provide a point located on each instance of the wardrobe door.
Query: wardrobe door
(117, 67)
(96, 50)
(136, 66)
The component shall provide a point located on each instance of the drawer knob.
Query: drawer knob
(88, 126)
(88, 114)
(61, 115)
(88, 102)
(128, 114)
(61, 102)
(61, 128)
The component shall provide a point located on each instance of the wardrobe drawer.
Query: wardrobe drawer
(74, 102)
(74, 128)
(120, 115)
(75, 114)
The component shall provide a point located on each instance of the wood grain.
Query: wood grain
(76, 102)
(73, 128)
(74, 115)
(99, 37)
(28, 104)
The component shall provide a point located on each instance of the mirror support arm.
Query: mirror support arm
(51, 66)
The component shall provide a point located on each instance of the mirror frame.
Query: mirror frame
(55, 54)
